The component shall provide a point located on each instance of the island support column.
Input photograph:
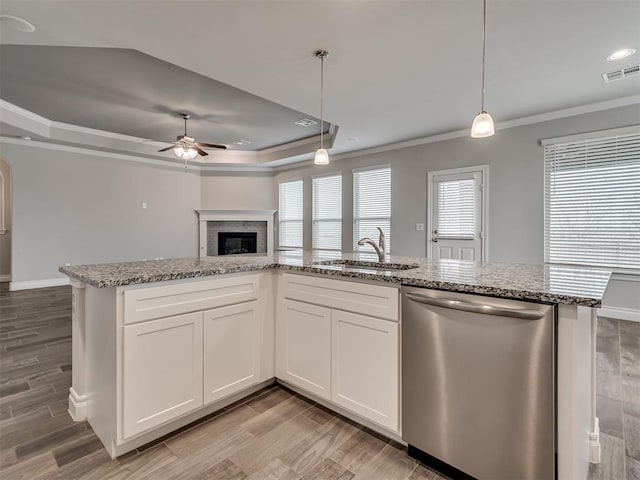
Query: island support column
(78, 392)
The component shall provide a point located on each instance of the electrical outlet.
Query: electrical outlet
(419, 227)
(144, 204)
(67, 264)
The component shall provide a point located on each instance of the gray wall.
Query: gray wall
(71, 207)
(237, 191)
(5, 238)
(516, 168)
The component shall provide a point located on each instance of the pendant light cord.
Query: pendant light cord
(321, 99)
(484, 42)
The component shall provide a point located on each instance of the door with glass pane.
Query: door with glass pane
(456, 209)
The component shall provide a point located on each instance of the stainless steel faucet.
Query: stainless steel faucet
(379, 247)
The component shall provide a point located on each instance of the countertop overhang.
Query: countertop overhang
(539, 283)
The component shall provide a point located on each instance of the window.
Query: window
(327, 212)
(290, 214)
(371, 205)
(592, 200)
(456, 208)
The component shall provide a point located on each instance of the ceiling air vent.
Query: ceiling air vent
(625, 72)
(305, 122)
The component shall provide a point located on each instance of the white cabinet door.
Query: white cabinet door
(304, 347)
(231, 349)
(365, 362)
(162, 371)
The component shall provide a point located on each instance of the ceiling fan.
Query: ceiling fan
(186, 148)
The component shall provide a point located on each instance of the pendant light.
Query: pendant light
(483, 123)
(322, 156)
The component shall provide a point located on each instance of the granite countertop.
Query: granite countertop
(541, 283)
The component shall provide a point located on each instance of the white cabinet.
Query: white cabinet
(232, 349)
(304, 347)
(349, 358)
(364, 366)
(162, 371)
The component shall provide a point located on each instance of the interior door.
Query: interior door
(457, 215)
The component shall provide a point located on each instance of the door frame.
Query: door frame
(484, 190)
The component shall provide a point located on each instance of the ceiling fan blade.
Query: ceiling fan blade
(212, 145)
(168, 148)
(200, 151)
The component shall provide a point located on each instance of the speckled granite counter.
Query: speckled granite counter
(542, 283)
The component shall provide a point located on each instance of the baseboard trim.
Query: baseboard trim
(629, 314)
(78, 405)
(5, 277)
(47, 282)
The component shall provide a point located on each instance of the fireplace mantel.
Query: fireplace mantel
(205, 216)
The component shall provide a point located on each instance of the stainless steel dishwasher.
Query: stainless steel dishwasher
(478, 385)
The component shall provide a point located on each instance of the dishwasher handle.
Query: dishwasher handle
(476, 307)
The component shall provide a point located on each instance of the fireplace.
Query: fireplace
(235, 223)
(231, 243)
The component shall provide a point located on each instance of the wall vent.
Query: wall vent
(306, 122)
(630, 71)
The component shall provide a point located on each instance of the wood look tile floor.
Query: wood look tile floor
(274, 434)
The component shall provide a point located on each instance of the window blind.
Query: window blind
(592, 202)
(327, 212)
(456, 208)
(371, 206)
(290, 214)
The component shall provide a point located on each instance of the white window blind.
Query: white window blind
(327, 212)
(456, 208)
(592, 202)
(371, 206)
(290, 214)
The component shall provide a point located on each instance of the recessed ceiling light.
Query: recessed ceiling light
(17, 23)
(620, 54)
(240, 141)
(305, 122)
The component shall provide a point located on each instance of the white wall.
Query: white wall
(237, 191)
(516, 185)
(81, 208)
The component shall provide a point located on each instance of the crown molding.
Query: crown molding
(192, 168)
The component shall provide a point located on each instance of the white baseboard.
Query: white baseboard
(5, 277)
(47, 282)
(629, 314)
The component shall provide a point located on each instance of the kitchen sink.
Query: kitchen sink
(367, 264)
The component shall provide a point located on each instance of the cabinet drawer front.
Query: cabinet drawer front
(162, 371)
(157, 302)
(367, 299)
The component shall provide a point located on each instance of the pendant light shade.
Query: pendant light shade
(482, 126)
(483, 123)
(322, 156)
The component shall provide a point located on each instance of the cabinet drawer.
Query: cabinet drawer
(157, 302)
(366, 299)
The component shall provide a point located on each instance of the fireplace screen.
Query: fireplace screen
(230, 243)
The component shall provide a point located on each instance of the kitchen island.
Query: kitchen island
(158, 344)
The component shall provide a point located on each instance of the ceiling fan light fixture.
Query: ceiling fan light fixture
(185, 153)
(322, 156)
(482, 126)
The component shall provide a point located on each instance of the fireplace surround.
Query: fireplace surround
(215, 223)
